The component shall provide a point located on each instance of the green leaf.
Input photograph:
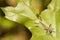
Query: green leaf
(22, 13)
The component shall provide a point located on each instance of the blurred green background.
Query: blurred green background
(23, 13)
